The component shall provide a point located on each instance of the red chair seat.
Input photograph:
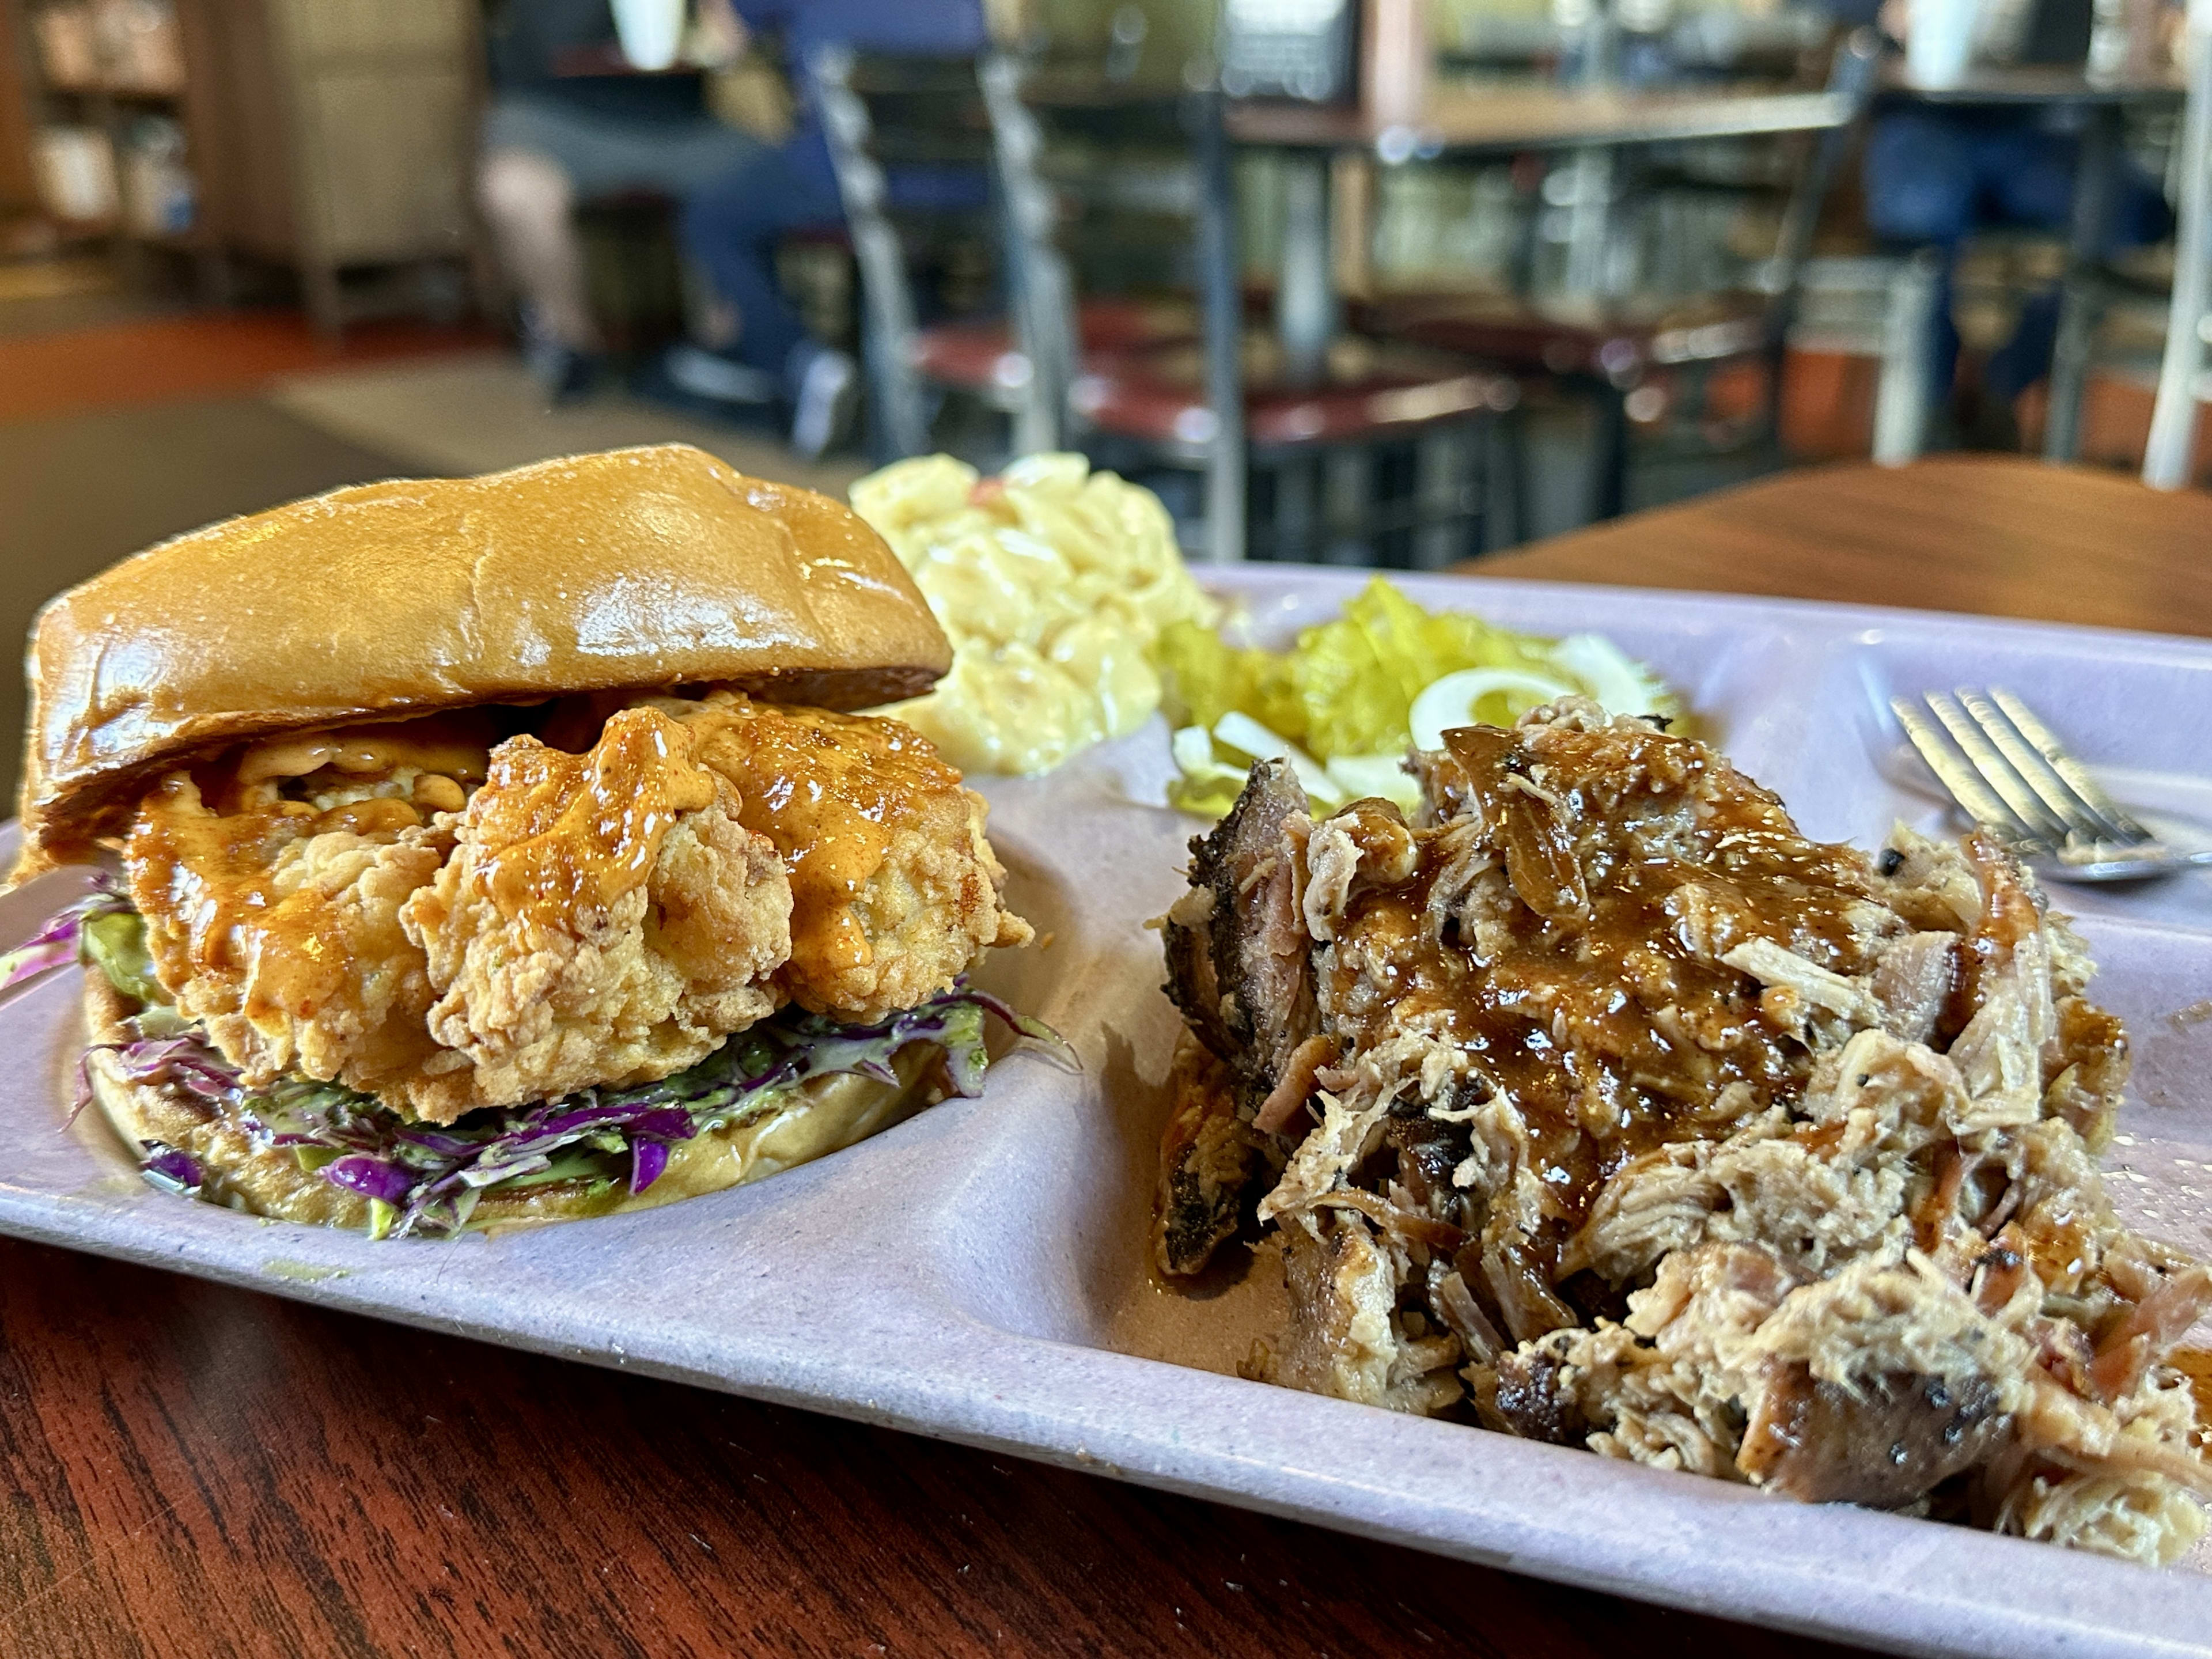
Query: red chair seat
(973, 356)
(983, 357)
(1615, 344)
(1370, 392)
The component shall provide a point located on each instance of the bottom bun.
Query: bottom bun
(824, 1116)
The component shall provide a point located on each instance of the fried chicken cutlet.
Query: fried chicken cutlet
(894, 889)
(450, 919)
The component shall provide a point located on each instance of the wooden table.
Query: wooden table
(1318, 235)
(2002, 536)
(191, 1469)
(1461, 120)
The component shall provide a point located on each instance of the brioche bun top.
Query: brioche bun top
(635, 569)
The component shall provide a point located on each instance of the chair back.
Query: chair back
(1851, 82)
(1117, 190)
(1042, 283)
(911, 146)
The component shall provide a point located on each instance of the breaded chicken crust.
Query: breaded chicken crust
(605, 919)
(895, 889)
(595, 919)
(600, 919)
(285, 942)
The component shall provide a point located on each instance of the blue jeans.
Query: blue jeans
(731, 226)
(1933, 176)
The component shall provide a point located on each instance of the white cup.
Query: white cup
(1939, 40)
(652, 31)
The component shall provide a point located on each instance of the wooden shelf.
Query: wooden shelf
(328, 135)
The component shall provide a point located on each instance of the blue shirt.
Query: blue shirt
(948, 28)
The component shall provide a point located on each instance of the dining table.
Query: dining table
(192, 1468)
(1324, 205)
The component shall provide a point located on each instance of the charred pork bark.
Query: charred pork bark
(1882, 1444)
(1239, 965)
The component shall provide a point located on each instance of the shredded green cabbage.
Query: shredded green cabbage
(115, 943)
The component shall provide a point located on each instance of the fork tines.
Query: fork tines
(2003, 765)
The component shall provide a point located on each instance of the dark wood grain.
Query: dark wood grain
(187, 1469)
(190, 1469)
(1999, 536)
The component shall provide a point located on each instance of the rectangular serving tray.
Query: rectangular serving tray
(978, 1272)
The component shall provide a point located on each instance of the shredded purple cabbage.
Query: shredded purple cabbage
(431, 1176)
(55, 945)
(170, 1168)
(648, 1158)
(372, 1177)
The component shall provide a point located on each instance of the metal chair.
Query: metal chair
(1377, 455)
(884, 117)
(906, 134)
(1610, 351)
(1879, 305)
(2183, 380)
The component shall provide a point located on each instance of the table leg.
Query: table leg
(1900, 404)
(2170, 453)
(1609, 454)
(1590, 223)
(2077, 319)
(1306, 303)
(1222, 304)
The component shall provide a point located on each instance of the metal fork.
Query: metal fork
(2014, 779)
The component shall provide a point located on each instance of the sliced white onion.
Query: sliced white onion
(1384, 775)
(1450, 701)
(1247, 736)
(1616, 679)
(1193, 748)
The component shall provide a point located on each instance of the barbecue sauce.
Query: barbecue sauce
(1583, 997)
(575, 833)
(830, 791)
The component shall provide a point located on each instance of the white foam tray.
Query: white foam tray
(978, 1272)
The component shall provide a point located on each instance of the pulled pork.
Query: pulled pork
(1602, 1106)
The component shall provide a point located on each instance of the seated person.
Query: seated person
(556, 134)
(732, 222)
(1936, 173)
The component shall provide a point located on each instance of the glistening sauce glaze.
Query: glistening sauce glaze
(205, 883)
(575, 833)
(830, 790)
(203, 854)
(1582, 993)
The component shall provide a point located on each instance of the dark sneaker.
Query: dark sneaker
(566, 375)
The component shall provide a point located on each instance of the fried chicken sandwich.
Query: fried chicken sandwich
(505, 849)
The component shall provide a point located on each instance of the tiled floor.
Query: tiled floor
(480, 412)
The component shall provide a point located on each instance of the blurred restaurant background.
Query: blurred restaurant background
(1393, 283)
